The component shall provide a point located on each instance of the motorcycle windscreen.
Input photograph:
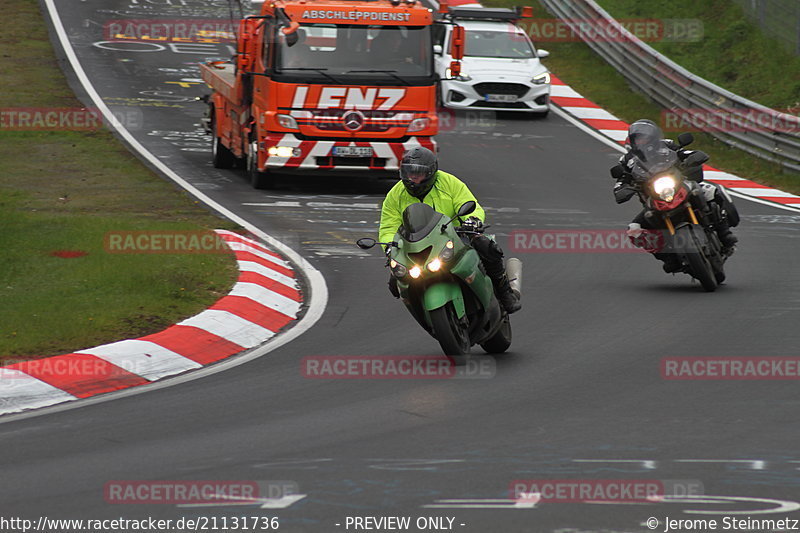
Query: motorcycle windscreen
(647, 146)
(419, 219)
(657, 161)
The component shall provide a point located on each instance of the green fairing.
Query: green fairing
(439, 294)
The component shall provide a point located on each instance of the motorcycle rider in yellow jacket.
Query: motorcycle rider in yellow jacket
(422, 181)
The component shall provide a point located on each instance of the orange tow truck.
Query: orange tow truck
(324, 86)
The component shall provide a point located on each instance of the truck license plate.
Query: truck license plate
(501, 98)
(352, 151)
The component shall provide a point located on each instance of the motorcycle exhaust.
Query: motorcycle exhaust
(514, 273)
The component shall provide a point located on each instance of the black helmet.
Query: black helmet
(418, 171)
(643, 136)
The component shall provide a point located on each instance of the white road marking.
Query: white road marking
(591, 113)
(647, 464)
(782, 506)
(143, 358)
(258, 268)
(20, 391)
(267, 298)
(264, 503)
(230, 327)
(755, 464)
(527, 501)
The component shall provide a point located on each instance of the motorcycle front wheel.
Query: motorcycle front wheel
(700, 267)
(451, 333)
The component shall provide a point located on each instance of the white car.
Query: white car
(501, 69)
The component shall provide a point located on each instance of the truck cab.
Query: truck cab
(333, 87)
(501, 69)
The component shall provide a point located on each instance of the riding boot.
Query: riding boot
(508, 297)
(725, 234)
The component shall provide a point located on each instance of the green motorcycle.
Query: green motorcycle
(441, 281)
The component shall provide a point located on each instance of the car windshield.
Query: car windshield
(500, 44)
(356, 51)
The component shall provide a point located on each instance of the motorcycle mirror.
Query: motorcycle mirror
(467, 208)
(685, 139)
(617, 172)
(696, 158)
(365, 243)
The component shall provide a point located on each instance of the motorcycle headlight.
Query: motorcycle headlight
(447, 252)
(415, 271)
(435, 265)
(664, 187)
(398, 270)
(541, 79)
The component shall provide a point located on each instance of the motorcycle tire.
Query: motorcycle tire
(501, 340)
(452, 335)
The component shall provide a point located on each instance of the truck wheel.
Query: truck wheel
(221, 157)
(258, 179)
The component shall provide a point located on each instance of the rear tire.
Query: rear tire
(501, 340)
(452, 335)
(221, 156)
(258, 179)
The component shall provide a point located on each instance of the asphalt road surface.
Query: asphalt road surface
(579, 396)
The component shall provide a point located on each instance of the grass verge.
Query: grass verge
(587, 73)
(65, 191)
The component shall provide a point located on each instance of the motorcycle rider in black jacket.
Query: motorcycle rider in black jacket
(645, 133)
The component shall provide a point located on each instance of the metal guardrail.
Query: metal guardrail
(680, 91)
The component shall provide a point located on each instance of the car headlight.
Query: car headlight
(664, 187)
(462, 77)
(435, 265)
(287, 121)
(419, 124)
(541, 79)
(398, 270)
(447, 252)
(415, 271)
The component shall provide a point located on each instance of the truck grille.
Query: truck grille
(501, 88)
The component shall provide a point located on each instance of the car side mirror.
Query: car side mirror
(617, 172)
(541, 54)
(685, 139)
(467, 208)
(365, 243)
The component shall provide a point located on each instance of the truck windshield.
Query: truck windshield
(391, 54)
(501, 44)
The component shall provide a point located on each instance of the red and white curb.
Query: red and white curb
(607, 127)
(265, 299)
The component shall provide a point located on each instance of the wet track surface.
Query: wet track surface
(579, 396)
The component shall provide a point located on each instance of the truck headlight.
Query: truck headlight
(287, 121)
(419, 124)
(415, 271)
(284, 151)
(541, 79)
(435, 265)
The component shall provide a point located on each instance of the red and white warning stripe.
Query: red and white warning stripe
(265, 299)
(616, 130)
